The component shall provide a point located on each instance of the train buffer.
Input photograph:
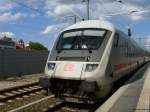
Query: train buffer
(134, 96)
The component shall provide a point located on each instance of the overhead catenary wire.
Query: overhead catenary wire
(33, 9)
(141, 10)
(75, 14)
(101, 2)
(24, 5)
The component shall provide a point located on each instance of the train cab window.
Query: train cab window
(81, 39)
(116, 40)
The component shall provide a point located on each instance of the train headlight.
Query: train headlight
(90, 67)
(51, 66)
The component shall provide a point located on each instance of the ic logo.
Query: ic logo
(69, 67)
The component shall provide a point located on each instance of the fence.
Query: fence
(21, 62)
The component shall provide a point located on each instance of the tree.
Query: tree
(37, 46)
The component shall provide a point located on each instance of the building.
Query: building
(20, 44)
(7, 43)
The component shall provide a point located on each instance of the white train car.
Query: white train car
(88, 57)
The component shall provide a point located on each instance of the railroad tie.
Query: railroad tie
(8, 94)
(2, 97)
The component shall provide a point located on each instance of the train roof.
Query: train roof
(100, 24)
(92, 24)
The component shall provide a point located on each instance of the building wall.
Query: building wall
(21, 62)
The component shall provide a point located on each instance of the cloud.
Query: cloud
(51, 14)
(98, 8)
(136, 17)
(113, 9)
(7, 34)
(8, 16)
(148, 38)
(56, 8)
(48, 29)
(63, 9)
(6, 5)
(54, 28)
(32, 3)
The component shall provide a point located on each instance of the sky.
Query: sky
(43, 20)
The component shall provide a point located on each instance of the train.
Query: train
(87, 59)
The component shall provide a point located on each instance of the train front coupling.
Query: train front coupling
(44, 82)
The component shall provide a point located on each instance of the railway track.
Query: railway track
(19, 91)
(50, 104)
(74, 107)
(19, 109)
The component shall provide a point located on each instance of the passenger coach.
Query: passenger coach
(88, 57)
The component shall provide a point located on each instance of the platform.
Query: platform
(133, 96)
(18, 81)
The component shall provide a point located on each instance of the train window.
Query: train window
(81, 39)
(71, 34)
(93, 33)
(116, 40)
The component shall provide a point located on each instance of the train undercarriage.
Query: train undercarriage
(65, 89)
